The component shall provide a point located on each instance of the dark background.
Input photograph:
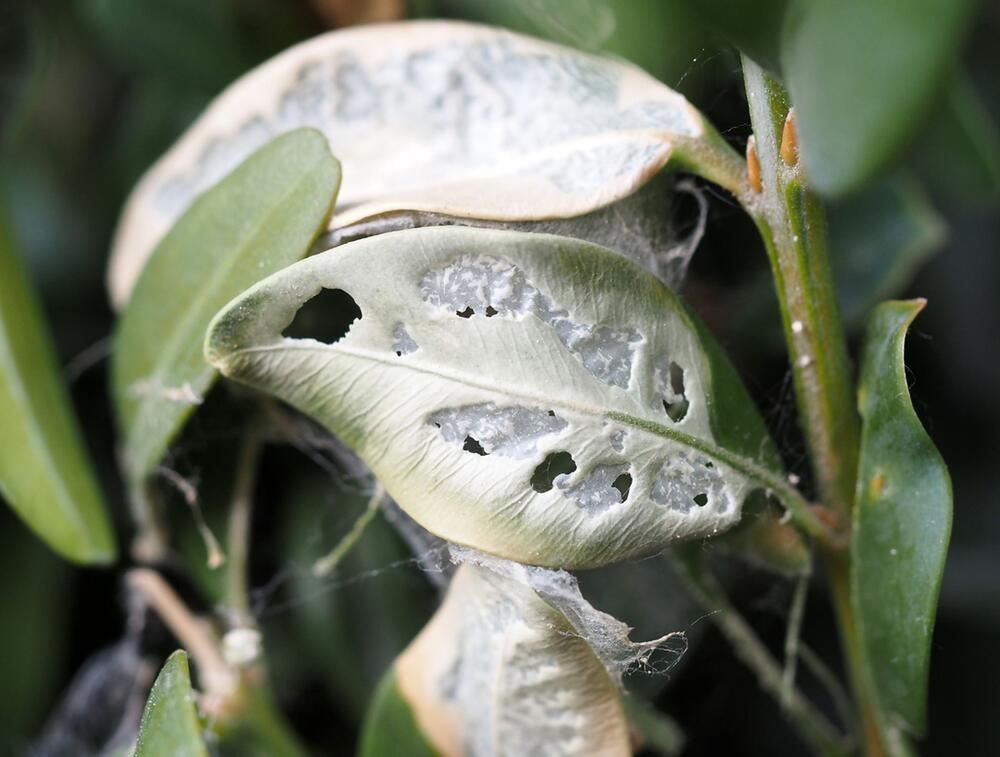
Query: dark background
(91, 92)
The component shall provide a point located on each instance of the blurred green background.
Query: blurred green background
(93, 91)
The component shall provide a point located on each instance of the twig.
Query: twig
(792, 635)
(195, 634)
(240, 515)
(829, 681)
(326, 565)
(810, 723)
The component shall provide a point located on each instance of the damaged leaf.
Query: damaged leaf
(437, 116)
(257, 220)
(902, 523)
(170, 723)
(507, 401)
(498, 671)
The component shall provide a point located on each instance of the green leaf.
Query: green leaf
(902, 522)
(45, 475)
(443, 117)
(879, 238)
(532, 396)
(390, 728)
(500, 670)
(862, 76)
(170, 724)
(256, 221)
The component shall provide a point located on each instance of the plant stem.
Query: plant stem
(325, 565)
(195, 634)
(792, 223)
(811, 724)
(240, 514)
(794, 631)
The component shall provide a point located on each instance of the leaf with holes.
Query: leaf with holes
(902, 522)
(45, 475)
(532, 396)
(170, 723)
(497, 670)
(439, 116)
(260, 218)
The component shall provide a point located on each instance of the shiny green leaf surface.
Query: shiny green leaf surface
(170, 723)
(902, 523)
(45, 475)
(505, 401)
(257, 220)
(862, 76)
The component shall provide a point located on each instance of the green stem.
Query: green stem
(240, 515)
(327, 564)
(792, 223)
(810, 723)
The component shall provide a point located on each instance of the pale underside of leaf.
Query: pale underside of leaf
(437, 116)
(498, 671)
(533, 397)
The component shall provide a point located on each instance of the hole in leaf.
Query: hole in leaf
(623, 483)
(554, 465)
(490, 311)
(701, 499)
(467, 313)
(472, 445)
(327, 317)
(677, 404)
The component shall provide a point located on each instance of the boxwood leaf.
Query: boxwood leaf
(902, 522)
(257, 220)
(862, 76)
(438, 116)
(170, 723)
(45, 475)
(497, 671)
(532, 396)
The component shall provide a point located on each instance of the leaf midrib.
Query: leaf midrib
(748, 467)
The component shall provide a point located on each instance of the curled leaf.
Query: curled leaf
(534, 397)
(499, 671)
(445, 117)
(902, 523)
